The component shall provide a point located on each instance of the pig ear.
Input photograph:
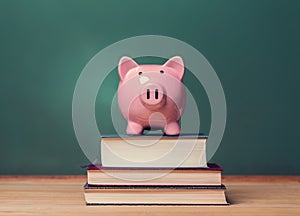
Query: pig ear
(177, 64)
(125, 64)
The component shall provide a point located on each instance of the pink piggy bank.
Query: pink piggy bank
(151, 96)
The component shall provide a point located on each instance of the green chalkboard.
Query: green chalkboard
(253, 46)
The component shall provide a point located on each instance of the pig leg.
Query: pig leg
(134, 128)
(172, 128)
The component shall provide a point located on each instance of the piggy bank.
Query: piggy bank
(151, 96)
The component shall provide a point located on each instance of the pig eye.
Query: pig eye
(161, 71)
(140, 73)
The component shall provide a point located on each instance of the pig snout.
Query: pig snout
(152, 95)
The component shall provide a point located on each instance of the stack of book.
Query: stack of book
(154, 170)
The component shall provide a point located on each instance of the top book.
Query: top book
(184, 150)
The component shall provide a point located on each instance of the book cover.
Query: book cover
(210, 167)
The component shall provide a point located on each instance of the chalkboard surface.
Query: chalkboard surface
(252, 45)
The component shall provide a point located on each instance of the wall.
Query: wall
(252, 45)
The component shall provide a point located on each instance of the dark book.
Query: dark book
(155, 195)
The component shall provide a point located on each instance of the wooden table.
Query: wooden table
(63, 195)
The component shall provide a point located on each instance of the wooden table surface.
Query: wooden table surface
(63, 195)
